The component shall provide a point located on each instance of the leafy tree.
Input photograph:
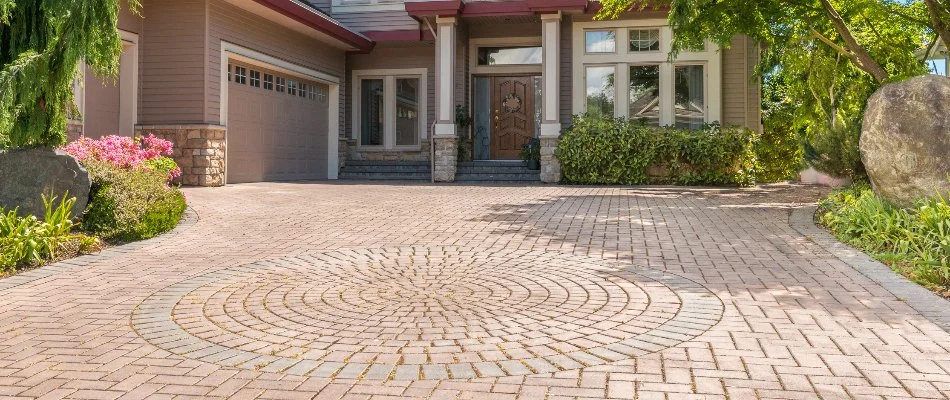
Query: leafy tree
(829, 56)
(41, 45)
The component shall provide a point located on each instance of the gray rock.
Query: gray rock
(25, 175)
(905, 142)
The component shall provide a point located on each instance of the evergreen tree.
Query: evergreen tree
(41, 45)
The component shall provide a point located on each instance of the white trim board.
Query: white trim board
(231, 51)
(389, 77)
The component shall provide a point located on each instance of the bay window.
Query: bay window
(637, 80)
(390, 108)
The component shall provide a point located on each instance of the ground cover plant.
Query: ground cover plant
(29, 241)
(132, 196)
(914, 241)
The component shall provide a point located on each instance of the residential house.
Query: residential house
(280, 90)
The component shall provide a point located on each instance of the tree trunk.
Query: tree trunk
(940, 19)
(861, 57)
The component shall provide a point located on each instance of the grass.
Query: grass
(914, 241)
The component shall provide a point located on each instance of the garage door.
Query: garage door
(277, 126)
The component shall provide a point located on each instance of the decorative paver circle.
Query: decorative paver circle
(426, 313)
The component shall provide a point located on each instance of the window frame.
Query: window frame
(710, 57)
(240, 75)
(254, 78)
(389, 77)
(280, 84)
(268, 83)
(608, 30)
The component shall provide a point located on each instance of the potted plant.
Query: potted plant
(531, 154)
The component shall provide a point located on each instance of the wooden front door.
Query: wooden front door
(512, 115)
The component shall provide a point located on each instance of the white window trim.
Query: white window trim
(231, 51)
(476, 69)
(710, 58)
(389, 77)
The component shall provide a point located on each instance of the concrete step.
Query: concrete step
(515, 177)
(387, 168)
(386, 163)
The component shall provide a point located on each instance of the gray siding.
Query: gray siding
(234, 25)
(172, 62)
(567, 77)
(377, 21)
(741, 92)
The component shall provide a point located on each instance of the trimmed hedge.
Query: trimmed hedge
(131, 204)
(618, 151)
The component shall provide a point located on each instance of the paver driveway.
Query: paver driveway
(457, 292)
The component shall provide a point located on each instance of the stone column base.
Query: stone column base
(550, 166)
(446, 158)
(199, 151)
(73, 130)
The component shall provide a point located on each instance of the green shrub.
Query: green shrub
(598, 150)
(131, 204)
(28, 240)
(835, 151)
(914, 241)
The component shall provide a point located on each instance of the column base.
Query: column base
(446, 158)
(550, 166)
(199, 151)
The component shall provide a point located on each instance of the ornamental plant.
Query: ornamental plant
(148, 152)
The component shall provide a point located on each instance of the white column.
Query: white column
(445, 76)
(551, 74)
(333, 135)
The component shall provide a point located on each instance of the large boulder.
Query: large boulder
(26, 175)
(905, 142)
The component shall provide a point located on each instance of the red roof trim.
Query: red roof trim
(487, 9)
(320, 22)
(436, 8)
(557, 5)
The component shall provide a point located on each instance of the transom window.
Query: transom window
(255, 78)
(240, 75)
(638, 80)
(268, 82)
(645, 40)
(390, 108)
(522, 55)
(601, 41)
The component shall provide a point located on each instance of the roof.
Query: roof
(313, 17)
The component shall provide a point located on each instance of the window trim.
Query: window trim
(389, 77)
(617, 41)
(710, 57)
(475, 44)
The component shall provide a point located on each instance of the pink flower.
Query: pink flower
(122, 151)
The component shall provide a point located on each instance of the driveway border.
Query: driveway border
(931, 306)
(189, 218)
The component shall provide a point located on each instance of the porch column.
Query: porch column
(445, 141)
(550, 93)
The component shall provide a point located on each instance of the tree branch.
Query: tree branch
(940, 19)
(861, 57)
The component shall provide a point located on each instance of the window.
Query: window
(268, 82)
(600, 91)
(690, 108)
(371, 112)
(255, 78)
(407, 111)
(645, 93)
(644, 40)
(601, 41)
(313, 91)
(240, 75)
(291, 87)
(281, 83)
(229, 72)
(390, 108)
(509, 55)
(302, 92)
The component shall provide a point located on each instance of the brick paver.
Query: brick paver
(342, 291)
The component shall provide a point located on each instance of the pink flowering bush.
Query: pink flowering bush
(127, 153)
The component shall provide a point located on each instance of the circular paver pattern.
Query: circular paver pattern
(426, 313)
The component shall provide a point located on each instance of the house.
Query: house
(262, 90)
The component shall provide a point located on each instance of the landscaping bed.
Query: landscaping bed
(914, 241)
(133, 197)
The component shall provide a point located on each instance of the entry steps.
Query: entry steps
(477, 171)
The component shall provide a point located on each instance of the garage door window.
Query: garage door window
(281, 84)
(391, 108)
(291, 87)
(255, 78)
(268, 82)
(240, 75)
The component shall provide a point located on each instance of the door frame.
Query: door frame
(231, 51)
(472, 102)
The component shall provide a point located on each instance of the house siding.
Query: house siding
(172, 62)
(377, 21)
(741, 93)
(234, 25)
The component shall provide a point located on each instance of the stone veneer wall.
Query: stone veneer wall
(73, 130)
(550, 166)
(199, 151)
(353, 152)
(446, 158)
